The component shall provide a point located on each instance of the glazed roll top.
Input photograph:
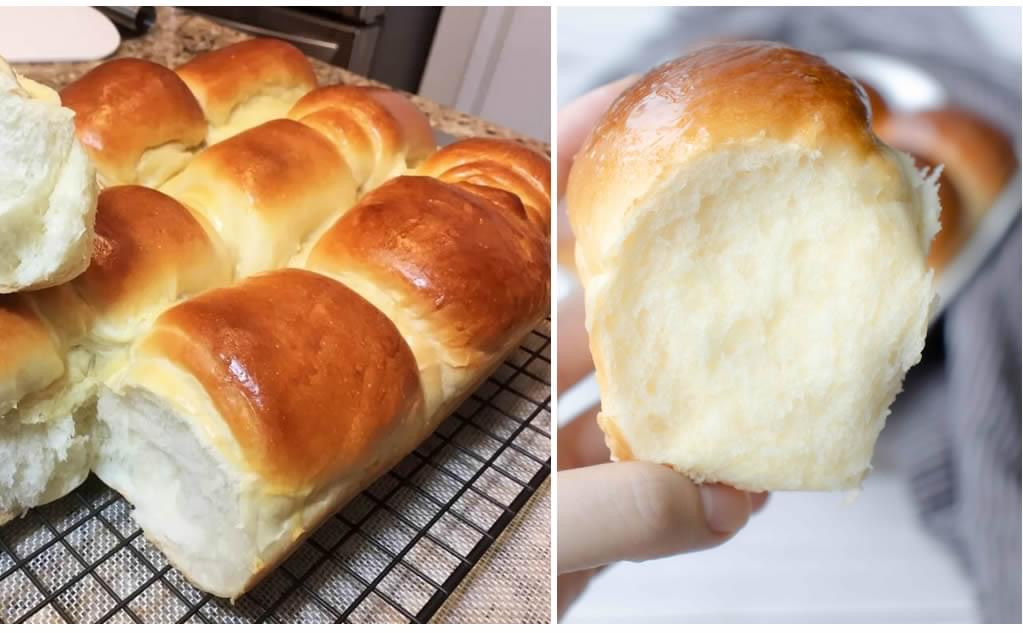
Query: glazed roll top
(455, 270)
(500, 164)
(380, 133)
(248, 83)
(150, 252)
(266, 190)
(138, 121)
(265, 403)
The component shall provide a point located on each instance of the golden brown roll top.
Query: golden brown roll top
(305, 376)
(380, 133)
(688, 106)
(137, 120)
(248, 83)
(29, 358)
(978, 157)
(501, 164)
(460, 275)
(266, 190)
(150, 252)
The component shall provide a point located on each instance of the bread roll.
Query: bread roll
(754, 264)
(248, 414)
(246, 84)
(501, 164)
(266, 190)
(150, 252)
(139, 122)
(379, 133)
(462, 275)
(978, 157)
(47, 188)
(43, 453)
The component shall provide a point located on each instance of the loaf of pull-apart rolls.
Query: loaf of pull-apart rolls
(306, 294)
(754, 265)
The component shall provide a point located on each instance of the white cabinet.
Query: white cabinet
(494, 63)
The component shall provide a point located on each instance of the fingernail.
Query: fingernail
(725, 509)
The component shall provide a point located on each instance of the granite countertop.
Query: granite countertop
(179, 35)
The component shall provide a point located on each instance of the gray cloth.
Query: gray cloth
(955, 430)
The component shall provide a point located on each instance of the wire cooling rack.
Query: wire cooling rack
(394, 554)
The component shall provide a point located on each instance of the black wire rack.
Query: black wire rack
(393, 554)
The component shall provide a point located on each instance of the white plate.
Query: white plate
(56, 34)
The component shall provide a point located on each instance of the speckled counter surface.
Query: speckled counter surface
(512, 583)
(178, 36)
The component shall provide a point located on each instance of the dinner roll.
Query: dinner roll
(754, 265)
(47, 188)
(265, 190)
(139, 122)
(246, 84)
(978, 157)
(379, 133)
(256, 410)
(501, 164)
(461, 274)
(150, 252)
(43, 451)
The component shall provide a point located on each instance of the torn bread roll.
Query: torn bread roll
(754, 264)
(47, 188)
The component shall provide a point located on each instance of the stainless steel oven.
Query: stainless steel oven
(390, 44)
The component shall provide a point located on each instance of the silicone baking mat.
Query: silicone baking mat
(394, 554)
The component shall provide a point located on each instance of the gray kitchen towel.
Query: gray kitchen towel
(955, 431)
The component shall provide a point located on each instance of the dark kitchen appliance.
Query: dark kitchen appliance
(389, 44)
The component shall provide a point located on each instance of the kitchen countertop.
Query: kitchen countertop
(179, 35)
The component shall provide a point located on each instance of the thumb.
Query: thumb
(638, 511)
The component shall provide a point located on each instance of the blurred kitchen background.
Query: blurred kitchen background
(490, 62)
(935, 534)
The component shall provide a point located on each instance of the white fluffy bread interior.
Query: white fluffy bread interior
(47, 187)
(165, 448)
(760, 312)
(45, 441)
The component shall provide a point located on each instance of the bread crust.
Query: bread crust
(470, 266)
(226, 77)
(500, 164)
(127, 106)
(285, 356)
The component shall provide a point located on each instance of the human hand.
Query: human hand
(610, 512)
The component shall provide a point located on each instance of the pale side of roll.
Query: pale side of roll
(754, 262)
(47, 188)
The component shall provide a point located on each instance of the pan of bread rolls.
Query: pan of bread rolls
(290, 288)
